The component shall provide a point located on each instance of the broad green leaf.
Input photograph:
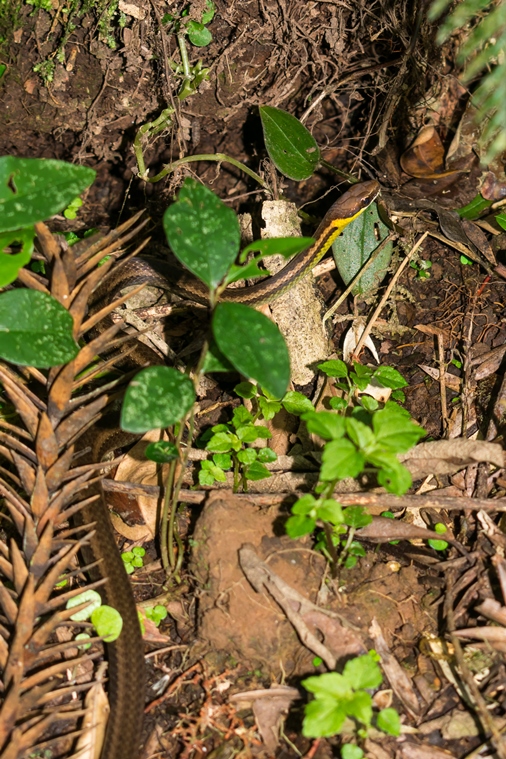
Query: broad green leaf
(331, 511)
(392, 475)
(208, 14)
(304, 505)
(223, 460)
(351, 751)
(34, 189)
(215, 361)
(292, 149)
(35, 330)
(161, 452)
(359, 706)
(322, 717)
(253, 344)
(356, 517)
(267, 455)
(329, 685)
(327, 425)
(296, 403)
(202, 232)
(359, 433)
(389, 377)
(198, 34)
(257, 471)
(157, 397)
(222, 442)
(475, 208)
(395, 431)
(334, 368)
(362, 672)
(108, 623)
(340, 459)
(299, 525)
(251, 432)
(501, 220)
(353, 248)
(11, 263)
(246, 390)
(247, 456)
(91, 597)
(389, 721)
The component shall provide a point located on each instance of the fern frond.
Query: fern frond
(484, 48)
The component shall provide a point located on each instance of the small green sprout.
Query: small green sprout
(422, 268)
(133, 559)
(438, 545)
(156, 614)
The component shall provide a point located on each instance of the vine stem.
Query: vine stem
(218, 157)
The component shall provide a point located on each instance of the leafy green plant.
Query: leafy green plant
(156, 614)
(361, 436)
(422, 268)
(106, 620)
(133, 559)
(185, 26)
(482, 51)
(341, 696)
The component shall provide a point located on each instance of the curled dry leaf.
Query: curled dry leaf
(448, 456)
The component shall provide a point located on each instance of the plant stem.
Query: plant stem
(219, 157)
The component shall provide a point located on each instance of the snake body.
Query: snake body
(126, 661)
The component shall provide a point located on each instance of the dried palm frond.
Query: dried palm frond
(45, 482)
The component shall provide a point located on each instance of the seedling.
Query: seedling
(156, 614)
(133, 559)
(341, 696)
(106, 620)
(422, 268)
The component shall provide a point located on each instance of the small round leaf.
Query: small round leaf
(108, 623)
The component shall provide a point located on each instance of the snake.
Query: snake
(126, 661)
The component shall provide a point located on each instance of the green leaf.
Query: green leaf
(305, 504)
(362, 672)
(241, 416)
(246, 390)
(157, 397)
(475, 208)
(353, 248)
(91, 597)
(369, 403)
(392, 475)
(35, 330)
(202, 232)
(292, 149)
(334, 368)
(268, 408)
(299, 525)
(327, 425)
(351, 751)
(331, 511)
(161, 452)
(108, 623)
(340, 459)
(359, 706)
(267, 455)
(394, 431)
(329, 685)
(223, 460)
(323, 717)
(208, 14)
(257, 471)
(389, 377)
(356, 517)
(359, 433)
(11, 263)
(215, 361)
(296, 403)
(389, 721)
(198, 34)
(247, 456)
(253, 344)
(251, 432)
(139, 551)
(34, 189)
(223, 442)
(501, 220)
